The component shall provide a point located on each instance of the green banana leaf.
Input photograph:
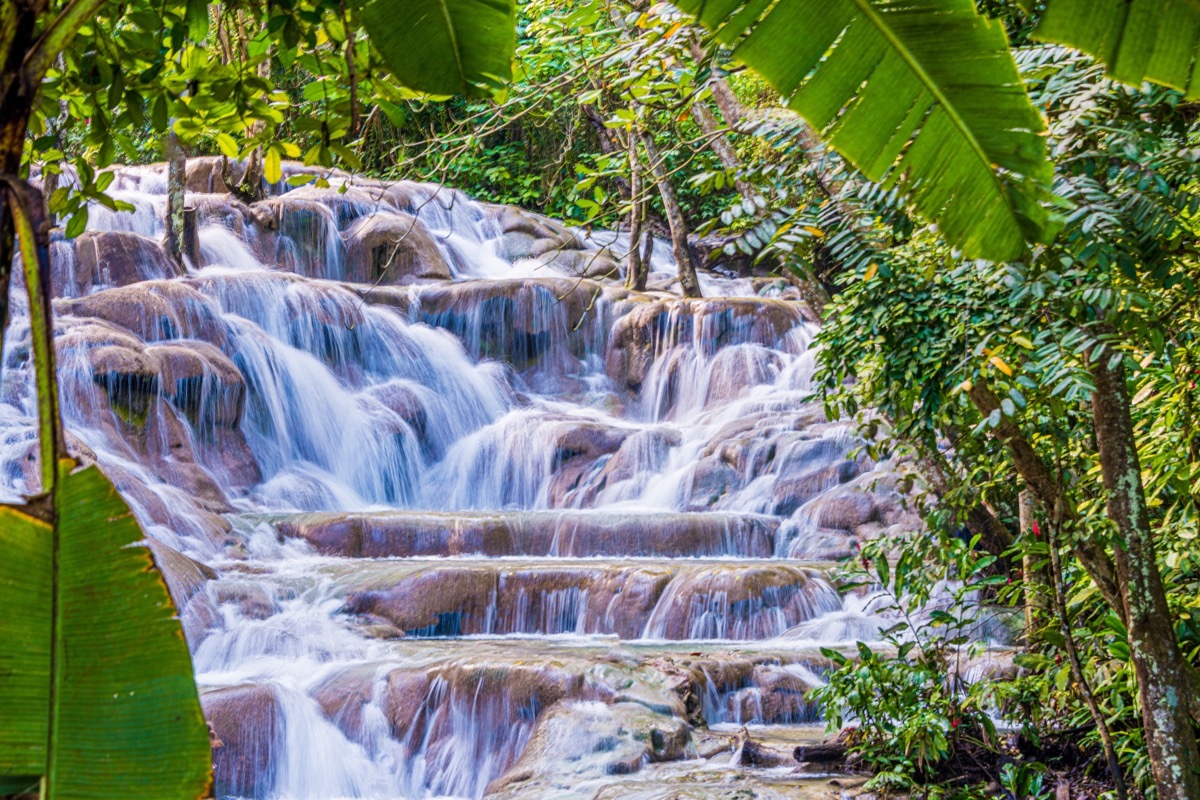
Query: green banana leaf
(924, 93)
(1138, 40)
(444, 46)
(97, 697)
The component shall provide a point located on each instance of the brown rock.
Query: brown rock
(114, 258)
(153, 311)
(392, 248)
(246, 720)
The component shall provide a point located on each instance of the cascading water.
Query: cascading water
(446, 510)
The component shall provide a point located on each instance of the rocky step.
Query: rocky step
(498, 716)
(629, 598)
(579, 533)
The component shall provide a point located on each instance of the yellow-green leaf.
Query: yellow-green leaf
(272, 169)
(227, 145)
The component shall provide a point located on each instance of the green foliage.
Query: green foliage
(942, 112)
(1138, 40)
(910, 705)
(288, 79)
(444, 46)
(556, 139)
(912, 328)
(98, 696)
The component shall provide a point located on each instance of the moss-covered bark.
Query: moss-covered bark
(1163, 685)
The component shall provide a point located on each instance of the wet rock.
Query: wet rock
(517, 321)
(735, 369)
(403, 534)
(400, 299)
(783, 695)
(456, 601)
(307, 241)
(712, 479)
(753, 753)
(392, 248)
(247, 721)
(251, 599)
(568, 533)
(344, 695)
(347, 203)
(826, 545)
(405, 700)
(153, 311)
(514, 220)
(467, 713)
(201, 381)
(222, 209)
(213, 174)
(404, 401)
(579, 263)
(844, 509)
(184, 576)
(739, 603)
(114, 258)
(450, 601)
(578, 446)
(651, 328)
(792, 492)
(671, 536)
(577, 742)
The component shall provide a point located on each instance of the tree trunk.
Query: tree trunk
(176, 181)
(731, 107)
(679, 233)
(723, 148)
(636, 270)
(1163, 685)
(18, 22)
(1058, 593)
(1044, 485)
(251, 189)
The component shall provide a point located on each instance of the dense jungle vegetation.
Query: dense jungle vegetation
(992, 206)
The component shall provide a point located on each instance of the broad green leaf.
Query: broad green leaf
(77, 223)
(197, 19)
(444, 46)
(96, 687)
(1138, 40)
(24, 645)
(923, 93)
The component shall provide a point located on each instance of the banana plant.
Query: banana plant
(1137, 40)
(923, 94)
(97, 695)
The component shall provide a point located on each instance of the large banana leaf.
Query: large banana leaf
(96, 690)
(1138, 40)
(922, 92)
(444, 46)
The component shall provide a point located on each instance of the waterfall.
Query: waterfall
(459, 489)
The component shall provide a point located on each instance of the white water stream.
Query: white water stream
(440, 507)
